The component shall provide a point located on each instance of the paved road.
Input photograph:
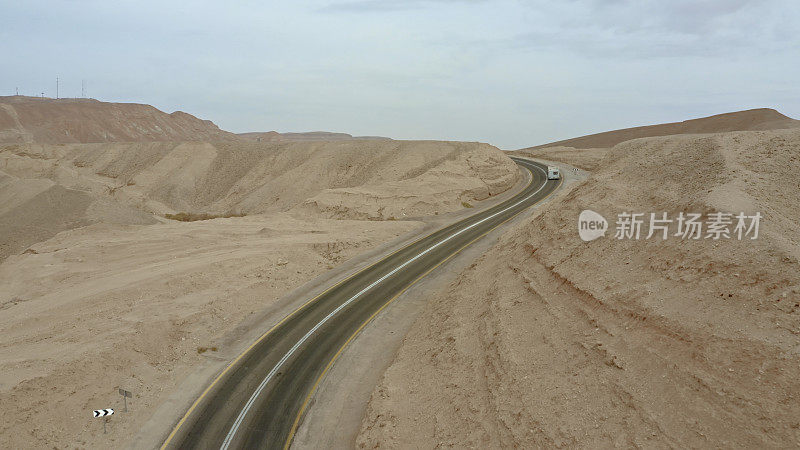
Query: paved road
(259, 400)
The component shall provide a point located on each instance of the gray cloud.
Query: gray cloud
(645, 29)
(371, 6)
(510, 72)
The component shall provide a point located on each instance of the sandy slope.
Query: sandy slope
(106, 306)
(550, 341)
(98, 291)
(749, 120)
(69, 120)
(587, 152)
(58, 187)
(32, 210)
(251, 177)
(584, 158)
(427, 187)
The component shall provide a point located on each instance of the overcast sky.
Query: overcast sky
(511, 73)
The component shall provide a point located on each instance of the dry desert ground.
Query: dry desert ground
(140, 249)
(100, 290)
(549, 341)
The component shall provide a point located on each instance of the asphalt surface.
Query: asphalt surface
(259, 400)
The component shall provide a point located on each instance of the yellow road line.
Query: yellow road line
(369, 319)
(268, 332)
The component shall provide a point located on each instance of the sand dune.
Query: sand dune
(750, 120)
(74, 120)
(548, 341)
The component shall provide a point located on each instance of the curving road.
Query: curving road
(260, 398)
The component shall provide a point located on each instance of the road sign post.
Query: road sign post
(125, 394)
(104, 413)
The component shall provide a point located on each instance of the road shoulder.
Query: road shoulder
(334, 418)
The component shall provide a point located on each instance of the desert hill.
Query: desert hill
(75, 120)
(103, 306)
(98, 289)
(265, 136)
(750, 120)
(274, 136)
(68, 163)
(51, 188)
(549, 341)
(33, 210)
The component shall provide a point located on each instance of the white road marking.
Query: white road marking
(268, 378)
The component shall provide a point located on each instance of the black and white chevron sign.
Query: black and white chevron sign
(103, 412)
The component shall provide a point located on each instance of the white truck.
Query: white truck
(553, 173)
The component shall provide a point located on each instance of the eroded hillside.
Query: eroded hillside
(79, 120)
(749, 120)
(100, 290)
(51, 188)
(549, 341)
